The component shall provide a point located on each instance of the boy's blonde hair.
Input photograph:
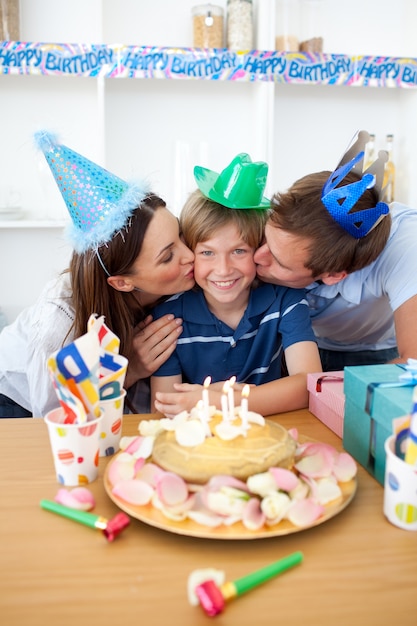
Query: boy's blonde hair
(200, 218)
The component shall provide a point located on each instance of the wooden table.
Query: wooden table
(358, 569)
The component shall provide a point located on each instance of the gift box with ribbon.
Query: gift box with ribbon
(327, 399)
(374, 396)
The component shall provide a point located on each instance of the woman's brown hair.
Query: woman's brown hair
(90, 291)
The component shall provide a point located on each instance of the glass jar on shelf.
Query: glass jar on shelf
(311, 25)
(208, 24)
(9, 20)
(389, 172)
(239, 24)
(370, 152)
(287, 25)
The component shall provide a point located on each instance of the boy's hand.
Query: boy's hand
(184, 399)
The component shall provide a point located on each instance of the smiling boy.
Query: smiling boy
(233, 325)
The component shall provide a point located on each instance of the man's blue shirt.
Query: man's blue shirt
(275, 318)
(356, 314)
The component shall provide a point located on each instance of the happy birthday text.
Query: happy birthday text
(144, 62)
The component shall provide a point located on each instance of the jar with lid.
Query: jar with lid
(9, 20)
(287, 25)
(389, 173)
(207, 26)
(370, 152)
(311, 25)
(239, 24)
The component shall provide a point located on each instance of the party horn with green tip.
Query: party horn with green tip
(111, 528)
(213, 598)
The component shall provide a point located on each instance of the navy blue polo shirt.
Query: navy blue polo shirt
(276, 317)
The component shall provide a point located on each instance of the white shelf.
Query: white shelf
(20, 224)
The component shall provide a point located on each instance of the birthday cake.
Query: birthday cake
(230, 448)
(215, 468)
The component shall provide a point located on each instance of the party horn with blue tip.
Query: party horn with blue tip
(111, 528)
(213, 598)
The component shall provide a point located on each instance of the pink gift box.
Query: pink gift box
(327, 400)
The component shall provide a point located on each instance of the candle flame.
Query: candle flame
(232, 381)
(207, 382)
(245, 391)
(226, 387)
(200, 404)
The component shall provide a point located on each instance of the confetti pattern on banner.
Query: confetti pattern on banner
(122, 61)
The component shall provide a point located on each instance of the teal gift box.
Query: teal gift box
(374, 396)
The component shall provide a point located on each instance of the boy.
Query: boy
(233, 326)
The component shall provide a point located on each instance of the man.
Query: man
(357, 258)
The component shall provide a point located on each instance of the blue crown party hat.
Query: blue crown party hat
(98, 202)
(339, 201)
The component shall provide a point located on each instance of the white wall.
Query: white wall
(29, 257)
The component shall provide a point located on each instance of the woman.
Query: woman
(128, 254)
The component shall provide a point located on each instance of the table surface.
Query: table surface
(357, 567)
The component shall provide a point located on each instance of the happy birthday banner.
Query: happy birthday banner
(121, 61)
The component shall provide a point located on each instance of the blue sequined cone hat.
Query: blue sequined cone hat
(98, 202)
(340, 199)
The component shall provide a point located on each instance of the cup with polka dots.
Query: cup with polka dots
(400, 489)
(75, 448)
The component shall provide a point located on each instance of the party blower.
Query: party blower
(111, 528)
(213, 598)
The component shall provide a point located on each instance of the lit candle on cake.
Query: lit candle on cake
(231, 395)
(204, 421)
(224, 402)
(206, 403)
(200, 410)
(244, 405)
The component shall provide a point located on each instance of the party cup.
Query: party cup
(400, 489)
(111, 425)
(75, 448)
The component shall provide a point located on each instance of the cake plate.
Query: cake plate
(153, 517)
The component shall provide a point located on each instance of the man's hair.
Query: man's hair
(200, 218)
(301, 212)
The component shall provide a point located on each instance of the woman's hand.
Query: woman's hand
(153, 343)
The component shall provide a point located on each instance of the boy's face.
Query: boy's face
(224, 267)
(281, 260)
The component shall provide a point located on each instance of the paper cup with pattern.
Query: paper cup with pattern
(75, 448)
(400, 489)
(111, 426)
